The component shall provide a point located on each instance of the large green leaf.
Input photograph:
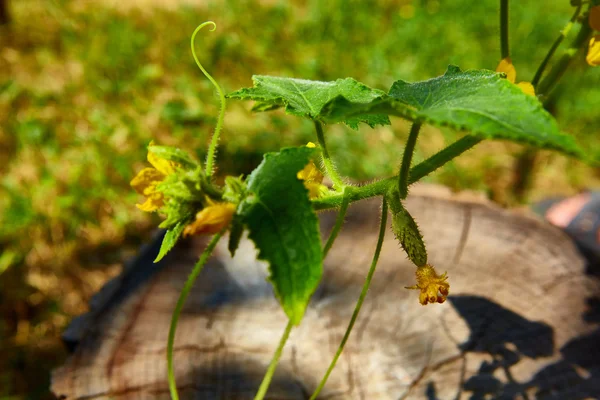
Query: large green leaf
(284, 227)
(478, 101)
(306, 98)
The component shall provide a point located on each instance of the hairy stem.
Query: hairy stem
(557, 42)
(361, 299)
(329, 167)
(187, 287)
(409, 149)
(504, 46)
(442, 157)
(264, 386)
(212, 149)
(416, 173)
(339, 221)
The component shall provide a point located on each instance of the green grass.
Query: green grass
(84, 88)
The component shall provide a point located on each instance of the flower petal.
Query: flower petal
(508, 68)
(312, 178)
(165, 166)
(527, 88)
(146, 180)
(153, 202)
(593, 55)
(211, 219)
(433, 288)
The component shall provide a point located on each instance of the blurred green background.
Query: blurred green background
(85, 85)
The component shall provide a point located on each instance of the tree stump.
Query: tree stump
(520, 321)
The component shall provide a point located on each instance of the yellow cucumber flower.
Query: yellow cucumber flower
(508, 68)
(593, 55)
(146, 180)
(433, 287)
(211, 219)
(311, 176)
(594, 18)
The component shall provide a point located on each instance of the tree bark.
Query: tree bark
(518, 323)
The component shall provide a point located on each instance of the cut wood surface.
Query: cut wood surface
(521, 321)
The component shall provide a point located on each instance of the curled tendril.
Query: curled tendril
(210, 158)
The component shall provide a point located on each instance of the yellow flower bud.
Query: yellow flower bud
(527, 88)
(593, 55)
(508, 68)
(594, 18)
(433, 287)
(211, 219)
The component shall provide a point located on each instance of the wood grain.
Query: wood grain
(520, 322)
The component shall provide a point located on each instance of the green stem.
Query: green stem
(416, 173)
(187, 287)
(561, 66)
(329, 167)
(339, 220)
(504, 47)
(212, 149)
(557, 42)
(264, 386)
(442, 157)
(361, 299)
(409, 149)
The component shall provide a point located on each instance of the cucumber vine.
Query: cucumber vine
(277, 202)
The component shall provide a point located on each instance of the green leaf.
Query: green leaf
(306, 98)
(170, 240)
(406, 230)
(284, 227)
(173, 154)
(478, 101)
(235, 235)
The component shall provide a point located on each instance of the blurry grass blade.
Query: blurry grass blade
(7, 258)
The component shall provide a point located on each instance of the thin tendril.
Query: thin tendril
(212, 149)
(187, 287)
(361, 299)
